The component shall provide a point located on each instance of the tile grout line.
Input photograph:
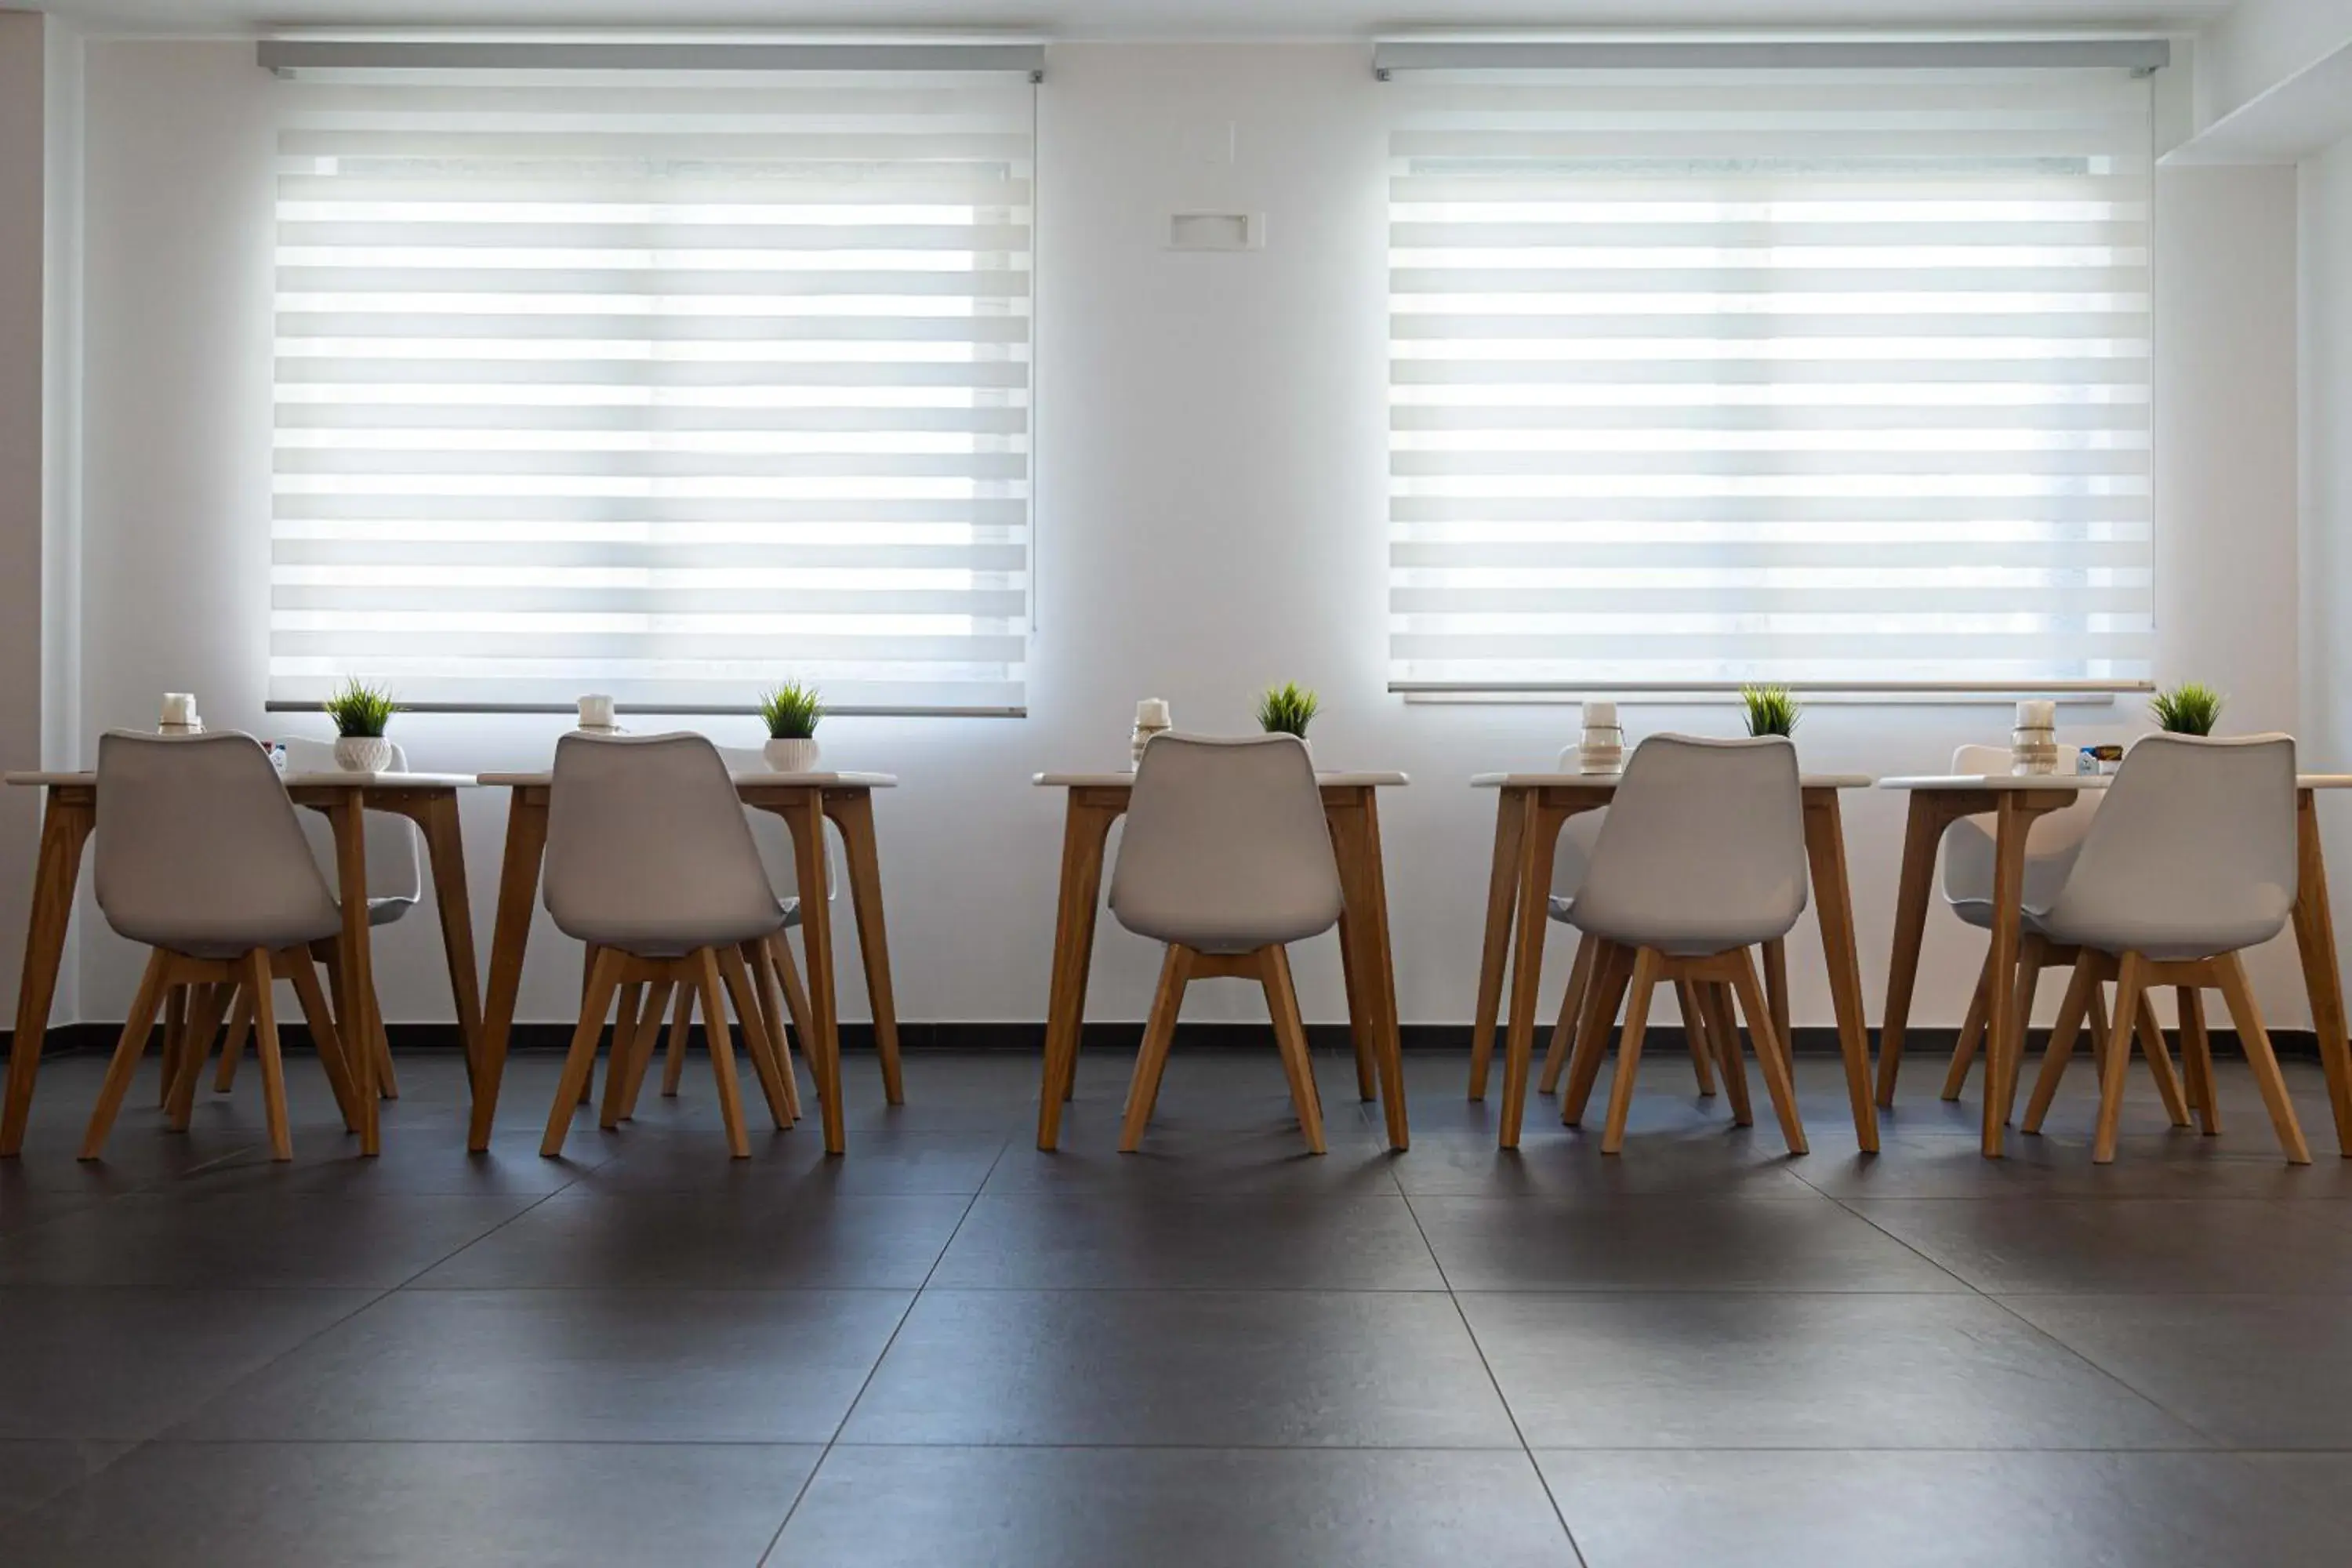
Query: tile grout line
(769, 1551)
(1495, 1383)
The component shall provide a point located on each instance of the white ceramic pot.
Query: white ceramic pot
(792, 756)
(364, 753)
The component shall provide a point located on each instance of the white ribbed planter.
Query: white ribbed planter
(364, 753)
(792, 756)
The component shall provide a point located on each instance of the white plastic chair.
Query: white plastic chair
(1226, 858)
(2191, 860)
(1702, 856)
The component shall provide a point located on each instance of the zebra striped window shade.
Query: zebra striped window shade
(1836, 377)
(667, 383)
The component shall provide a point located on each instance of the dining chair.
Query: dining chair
(1227, 859)
(2052, 843)
(1578, 835)
(2191, 861)
(650, 863)
(395, 881)
(200, 859)
(1702, 859)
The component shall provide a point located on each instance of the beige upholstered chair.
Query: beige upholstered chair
(1227, 859)
(2191, 860)
(650, 862)
(200, 859)
(1702, 856)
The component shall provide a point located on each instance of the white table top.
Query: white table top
(1126, 780)
(1586, 781)
(329, 779)
(742, 776)
(2062, 781)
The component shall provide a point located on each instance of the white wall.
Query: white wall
(2326, 294)
(23, 403)
(1212, 514)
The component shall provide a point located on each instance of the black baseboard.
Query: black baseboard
(1810, 1040)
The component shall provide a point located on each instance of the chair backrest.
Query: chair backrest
(1226, 847)
(199, 849)
(1703, 848)
(2050, 841)
(2194, 849)
(395, 852)
(647, 849)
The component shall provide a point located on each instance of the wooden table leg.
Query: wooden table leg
(1834, 907)
(2011, 820)
(1086, 827)
(67, 818)
(509, 934)
(348, 814)
(1502, 897)
(445, 848)
(2315, 941)
(1355, 823)
(1538, 841)
(1921, 834)
(805, 818)
(853, 812)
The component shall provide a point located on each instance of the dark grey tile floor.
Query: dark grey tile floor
(948, 1348)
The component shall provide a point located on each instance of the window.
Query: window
(1831, 376)
(664, 383)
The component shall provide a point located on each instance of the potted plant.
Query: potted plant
(791, 712)
(361, 712)
(2188, 709)
(1771, 709)
(1286, 710)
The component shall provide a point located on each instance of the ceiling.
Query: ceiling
(1123, 18)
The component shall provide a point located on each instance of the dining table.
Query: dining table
(1531, 810)
(2014, 801)
(68, 816)
(1351, 810)
(806, 802)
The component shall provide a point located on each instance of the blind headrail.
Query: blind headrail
(1793, 53)
(297, 57)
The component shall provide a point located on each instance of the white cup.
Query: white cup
(596, 712)
(1151, 713)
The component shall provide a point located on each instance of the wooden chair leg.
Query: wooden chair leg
(2130, 982)
(2256, 1041)
(1290, 1040)
(643, 1040)
(205, 1009)
(2197, 1060)
(1972, 1026)
(325, 1039)
(273, 1066)
(1730, 1060)
(1152, 1060)
(721, 1042)
(136, 1028)
(1647, 963)
(756, 1044)
(674, 1055)
(176, 1038)
(1772, 1053)
(387, 1081)
(2081, 986)
(1613, 972)
(603, 979)
(762, 957)
(1571, 1005)
(240, 1024)
(1694, 1035)
(2159, 1062)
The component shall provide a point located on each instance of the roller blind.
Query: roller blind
(665, 384)
(1835, 377)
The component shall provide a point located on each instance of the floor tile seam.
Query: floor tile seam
(768, 1554)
